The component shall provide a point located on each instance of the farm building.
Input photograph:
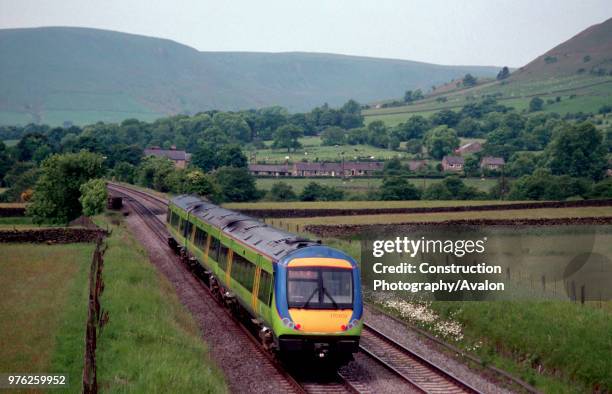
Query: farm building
(492, 163)
(179, 157)
(270, 169)
(452, 163)
(470, 147)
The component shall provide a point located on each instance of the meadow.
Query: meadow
(150, 344)
(312, 150)
(43, 299)
(577, 93)
(538, 213)
(360, 204)
(363, 185)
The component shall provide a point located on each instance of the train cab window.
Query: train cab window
(320, 288)
(265, 285)
(200, 238)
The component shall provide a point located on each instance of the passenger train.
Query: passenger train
(303, 296)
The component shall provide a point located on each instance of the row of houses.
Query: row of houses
(350, 169)
(457, 163)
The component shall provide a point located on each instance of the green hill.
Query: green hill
(575, 76)
(59, 74)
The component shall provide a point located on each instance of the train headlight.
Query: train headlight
(352, 324)
(288, 323)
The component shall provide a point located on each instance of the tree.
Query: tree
(281, 191)
(333, 136)
(153, 172)
(29, 144)
(398, 188)
(578, 151)
(503, 73)
(205, 157)
(57, 191)
(21, 177)
(5, 162)
(287, 137)
(536, 104)
(231, 156)
(452, 188)
(602, 189)
(414, 128)
(411, 96)
(197, 182)
(317, 192)
(441, 141)
(471, 166)
(93, 197)
(236, 184)
(124, 172)
(469, 80)
(542, 185)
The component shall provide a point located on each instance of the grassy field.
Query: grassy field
(359, 204)
(540, 213)
(589, 93)
(356, 185)
(43, 303)
(151, 344)
(312, 150)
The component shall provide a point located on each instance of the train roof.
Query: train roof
(258, 235)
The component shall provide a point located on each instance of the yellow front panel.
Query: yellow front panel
(321, 320)
(319, 262)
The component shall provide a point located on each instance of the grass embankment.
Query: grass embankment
(538, 213)
(363, 185)
(43, 307)
(151, 343)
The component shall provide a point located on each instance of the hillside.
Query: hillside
(575, 76)
(587, 52)
(59, 74)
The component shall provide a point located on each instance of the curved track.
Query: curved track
(150, 215)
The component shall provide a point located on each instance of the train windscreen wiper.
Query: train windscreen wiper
(330, 297)
(316, 290)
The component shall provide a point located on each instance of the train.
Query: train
(302, 296)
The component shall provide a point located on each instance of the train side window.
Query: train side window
(174, 221)
(265, 285)
(187, 229)
(223, 257)
(213, 253)
(200, 238)
(181, 226)
(243, 271)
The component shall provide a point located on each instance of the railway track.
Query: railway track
(417, 371)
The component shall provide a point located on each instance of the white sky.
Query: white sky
(482, 32)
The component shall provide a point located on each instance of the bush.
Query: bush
(281, 191)
(93, 197)
(317, 192)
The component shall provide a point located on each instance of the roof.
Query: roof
(453, 159)
(364, 165)
(269, 167)
(490, 160)
(171, 154)
(259, 236)
(319, 166)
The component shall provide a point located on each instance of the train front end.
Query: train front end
(319, 303)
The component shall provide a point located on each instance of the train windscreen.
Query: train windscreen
(320, 288)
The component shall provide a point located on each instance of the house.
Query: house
(270, 169)
(362, 168)
(492, 163)
(452, 163)
(317, 169)
(470, 147)
(179, 157)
